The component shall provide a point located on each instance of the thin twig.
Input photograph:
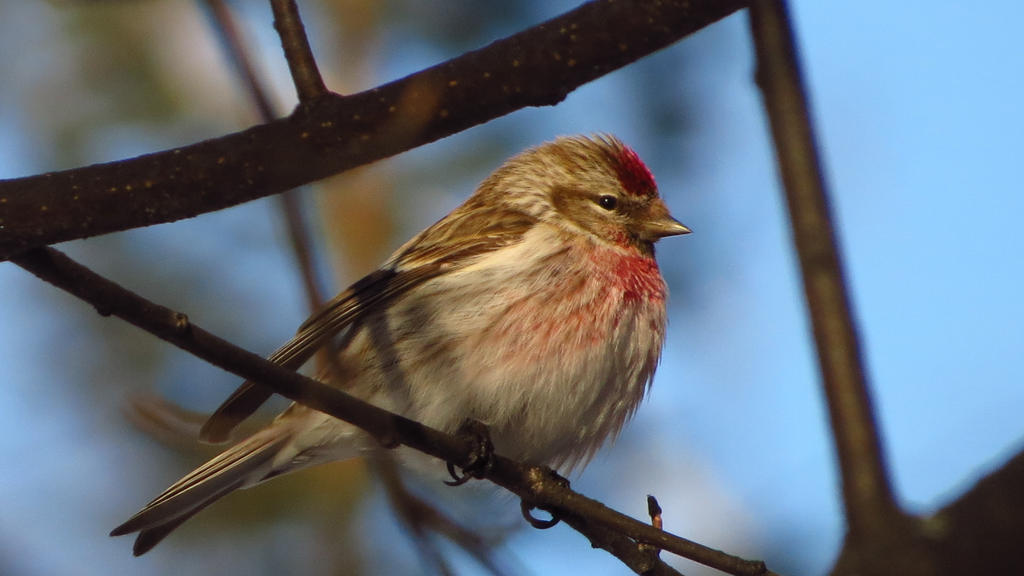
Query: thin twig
(606, 528)
(308, 83)
(337, 133)
(654, 511)
(407, 507)
(867, 494)
(298, 236)
(230, 35)
(289, 201)
(421, 516)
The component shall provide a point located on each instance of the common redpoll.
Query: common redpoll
(536, 308)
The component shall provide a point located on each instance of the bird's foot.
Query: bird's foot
(543, 475)
(480, 457)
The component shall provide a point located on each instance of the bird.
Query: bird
(535, 308)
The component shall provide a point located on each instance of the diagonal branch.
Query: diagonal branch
(538, 486)
(233, 44)
(330, 134)
(289, 200)
(867, 494)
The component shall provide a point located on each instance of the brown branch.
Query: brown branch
(641, 559)
(867, 495)
(305, 73)
(977, 533)
(539, 486)
(289, 201)
(980, 532)
(881, 538)
(330, 134)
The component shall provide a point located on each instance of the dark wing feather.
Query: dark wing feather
(366, 294)
(447, 245)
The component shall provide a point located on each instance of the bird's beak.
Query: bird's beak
(659, 223)
(664, 226)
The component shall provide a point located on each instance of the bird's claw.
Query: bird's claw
(480, 458)
(537, 523)
(526, 507)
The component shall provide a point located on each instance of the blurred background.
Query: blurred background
(918, 115)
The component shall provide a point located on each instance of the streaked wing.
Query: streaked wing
(341, 311)
(447, 245)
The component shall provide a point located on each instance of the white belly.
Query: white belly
(552, 363)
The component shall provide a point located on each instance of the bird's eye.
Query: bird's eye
(608, 202)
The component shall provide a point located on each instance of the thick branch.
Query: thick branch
(327, 135)
(870, 506)
(980, 532)
(539, 486)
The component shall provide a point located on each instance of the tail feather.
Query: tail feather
(150, 537)
(242, 465)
